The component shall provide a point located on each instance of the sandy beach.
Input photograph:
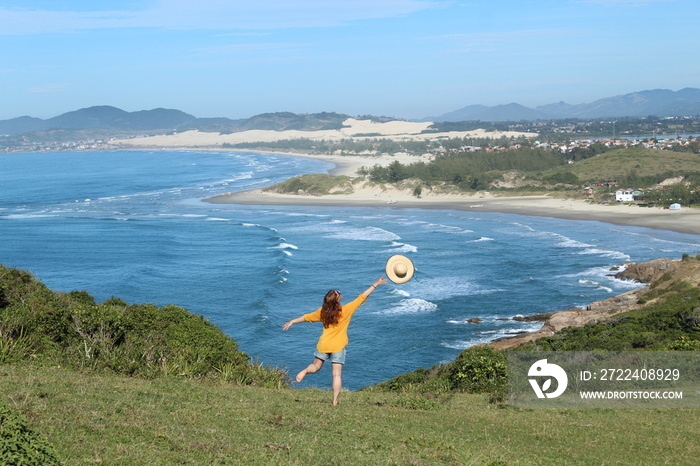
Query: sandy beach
(685, 220)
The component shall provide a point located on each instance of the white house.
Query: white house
(624, 195)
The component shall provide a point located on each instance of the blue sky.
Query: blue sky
(402, 58)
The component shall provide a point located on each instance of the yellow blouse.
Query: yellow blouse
(335, 337)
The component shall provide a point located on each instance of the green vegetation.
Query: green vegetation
(19, 444)
(636, 162)
(479, 369)
(468, 170)
(316, 185)
(540, 169)
(43, 327)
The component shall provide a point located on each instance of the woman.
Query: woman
(331, 346)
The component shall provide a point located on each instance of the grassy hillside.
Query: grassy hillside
(136, 384)
(109, 419)
(645, 162)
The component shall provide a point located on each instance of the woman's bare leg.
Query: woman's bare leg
(311, 369)
(337, 381)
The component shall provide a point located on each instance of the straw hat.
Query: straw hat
(399, 269)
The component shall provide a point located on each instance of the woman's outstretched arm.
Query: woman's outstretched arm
(298, 320)
(374, 286)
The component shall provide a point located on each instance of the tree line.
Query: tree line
(468, 170)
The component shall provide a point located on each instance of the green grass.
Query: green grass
(618, 163)
(110, 419)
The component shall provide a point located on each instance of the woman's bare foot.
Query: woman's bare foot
(301, 375)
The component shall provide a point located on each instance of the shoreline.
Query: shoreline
(686, 220)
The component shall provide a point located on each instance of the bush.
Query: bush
(137, 340)
(19, 445)
(479, 369)
(685, 344)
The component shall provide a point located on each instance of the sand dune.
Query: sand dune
(354, 129)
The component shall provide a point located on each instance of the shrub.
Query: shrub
(137, 340)
(685, 344)
(479, 369)
(19, 445)
(401, 382)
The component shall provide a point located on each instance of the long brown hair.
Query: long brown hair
(330, 311)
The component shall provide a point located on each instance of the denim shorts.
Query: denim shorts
(338, 357)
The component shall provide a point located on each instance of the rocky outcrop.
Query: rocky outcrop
(647, 272)
(659, 273)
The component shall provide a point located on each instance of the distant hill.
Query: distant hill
(657, 102)
(101, 117)
(509, 112)
(114, 119)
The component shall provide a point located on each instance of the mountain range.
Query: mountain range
(113, 119)
(658, 102)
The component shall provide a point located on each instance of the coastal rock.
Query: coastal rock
(623, 301)
(595, 312)
(474, 320)
(660, 274)
(534, 318)
(647, 272)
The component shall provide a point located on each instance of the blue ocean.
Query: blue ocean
(132, 224)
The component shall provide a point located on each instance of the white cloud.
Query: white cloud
(48, 88)
(211, 14)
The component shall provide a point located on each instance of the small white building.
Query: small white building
(624, 195)
(675, 207)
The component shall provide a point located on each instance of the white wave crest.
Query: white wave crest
(489, 335)
(595, 284)
(285, 246)
(572, 243)
(464, 344)
(600, 277)
(410, 306)
(602, 252)
(20, 216)
(438, 227)
(361, 233)
(445, 287)
(397, 247)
